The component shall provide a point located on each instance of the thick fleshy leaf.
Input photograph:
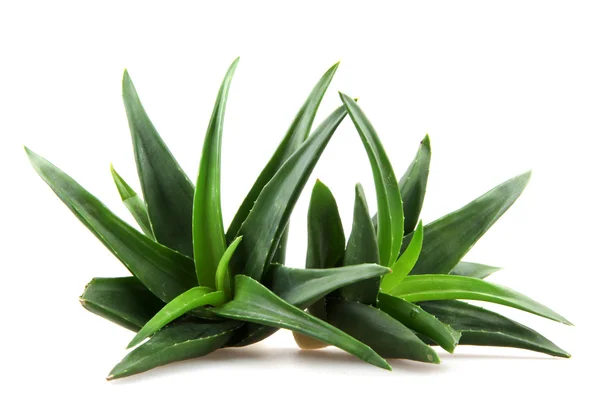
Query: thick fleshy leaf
(417, 319)
(168, 192)
(182, 340)
(405, 262)
(193, 298)
(223, 277)
(388, 337)
(476, 270)
(480, 327)
(268, 219)
(133, 202)
(390, 219)
(208, 231)
(124, 301)
(434, 287)
(361, 248)
(293, 139)
(413, 185)
(302, 287)
(163, 271)
(452, 236)
(255, 303)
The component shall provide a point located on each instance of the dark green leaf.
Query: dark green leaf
(481, 327)
(208, 231)
(405, 262)
(475, 270)
(167, 190)
(255, 303)
(362, 248)
(269, 217)
(413, 185)
(223, 276)
(163, 271)
(388, 337)
(417, 319)
(183, 340)
(293, 139)
(134, 203)
(434, 287)
(124, 301)
(390, 220)
(451, 237)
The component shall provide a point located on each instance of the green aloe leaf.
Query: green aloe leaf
(475, 270)
(388, 337)
(223, 275)
(293, 139)
(255, 303)
(452, 236)
(434, 287)
(208, 231)
(361, 248)
(417, 319)
(167, 190)
(268, 219)
(124, 301)
(390, 219)
(182, 340)
(480, 327)
(302, 287)
(133, 202)
(193, 298)
(405, 262)
(163, 271)
(413, 185)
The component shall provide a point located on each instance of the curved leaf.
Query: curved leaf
(390, 219)
(419, 320)
(405, 262)
(191, 299)
(183, 340)
(124, 301)
(388, 337)
(452, 236)
(434, 287)
(268, 219)
(481, 327)
(293, 139)
(475, 270)
(223, 275)
(255, 303)
(207, 222)
(167, 190)
(163, 271)
(133, 202)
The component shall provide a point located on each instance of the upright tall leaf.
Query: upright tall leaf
(167, 190)
(208, 232)
(405, 262)
(133, 202)
(163, 271)
(469, 269)
(268, 219)
(390, 219)
(433, 287)
(293, 139)
(480, 327)
(452, 236)
(413, 185)
(255, 303)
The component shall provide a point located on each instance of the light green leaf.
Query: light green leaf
(480, 327)
(434, 287)
(208, 231)
(163, 271)
(167, 190)
(133, 202)
(268, 219)
(390, 219)
(417, 319)
(223, 275)
(255, 303)
(405, 263)
(124, 301)
(475, 270)
(186, 339)
(451, 237)
(191, 299)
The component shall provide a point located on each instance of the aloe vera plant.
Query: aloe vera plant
(391, 291)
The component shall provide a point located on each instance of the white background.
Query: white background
(500, 88)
